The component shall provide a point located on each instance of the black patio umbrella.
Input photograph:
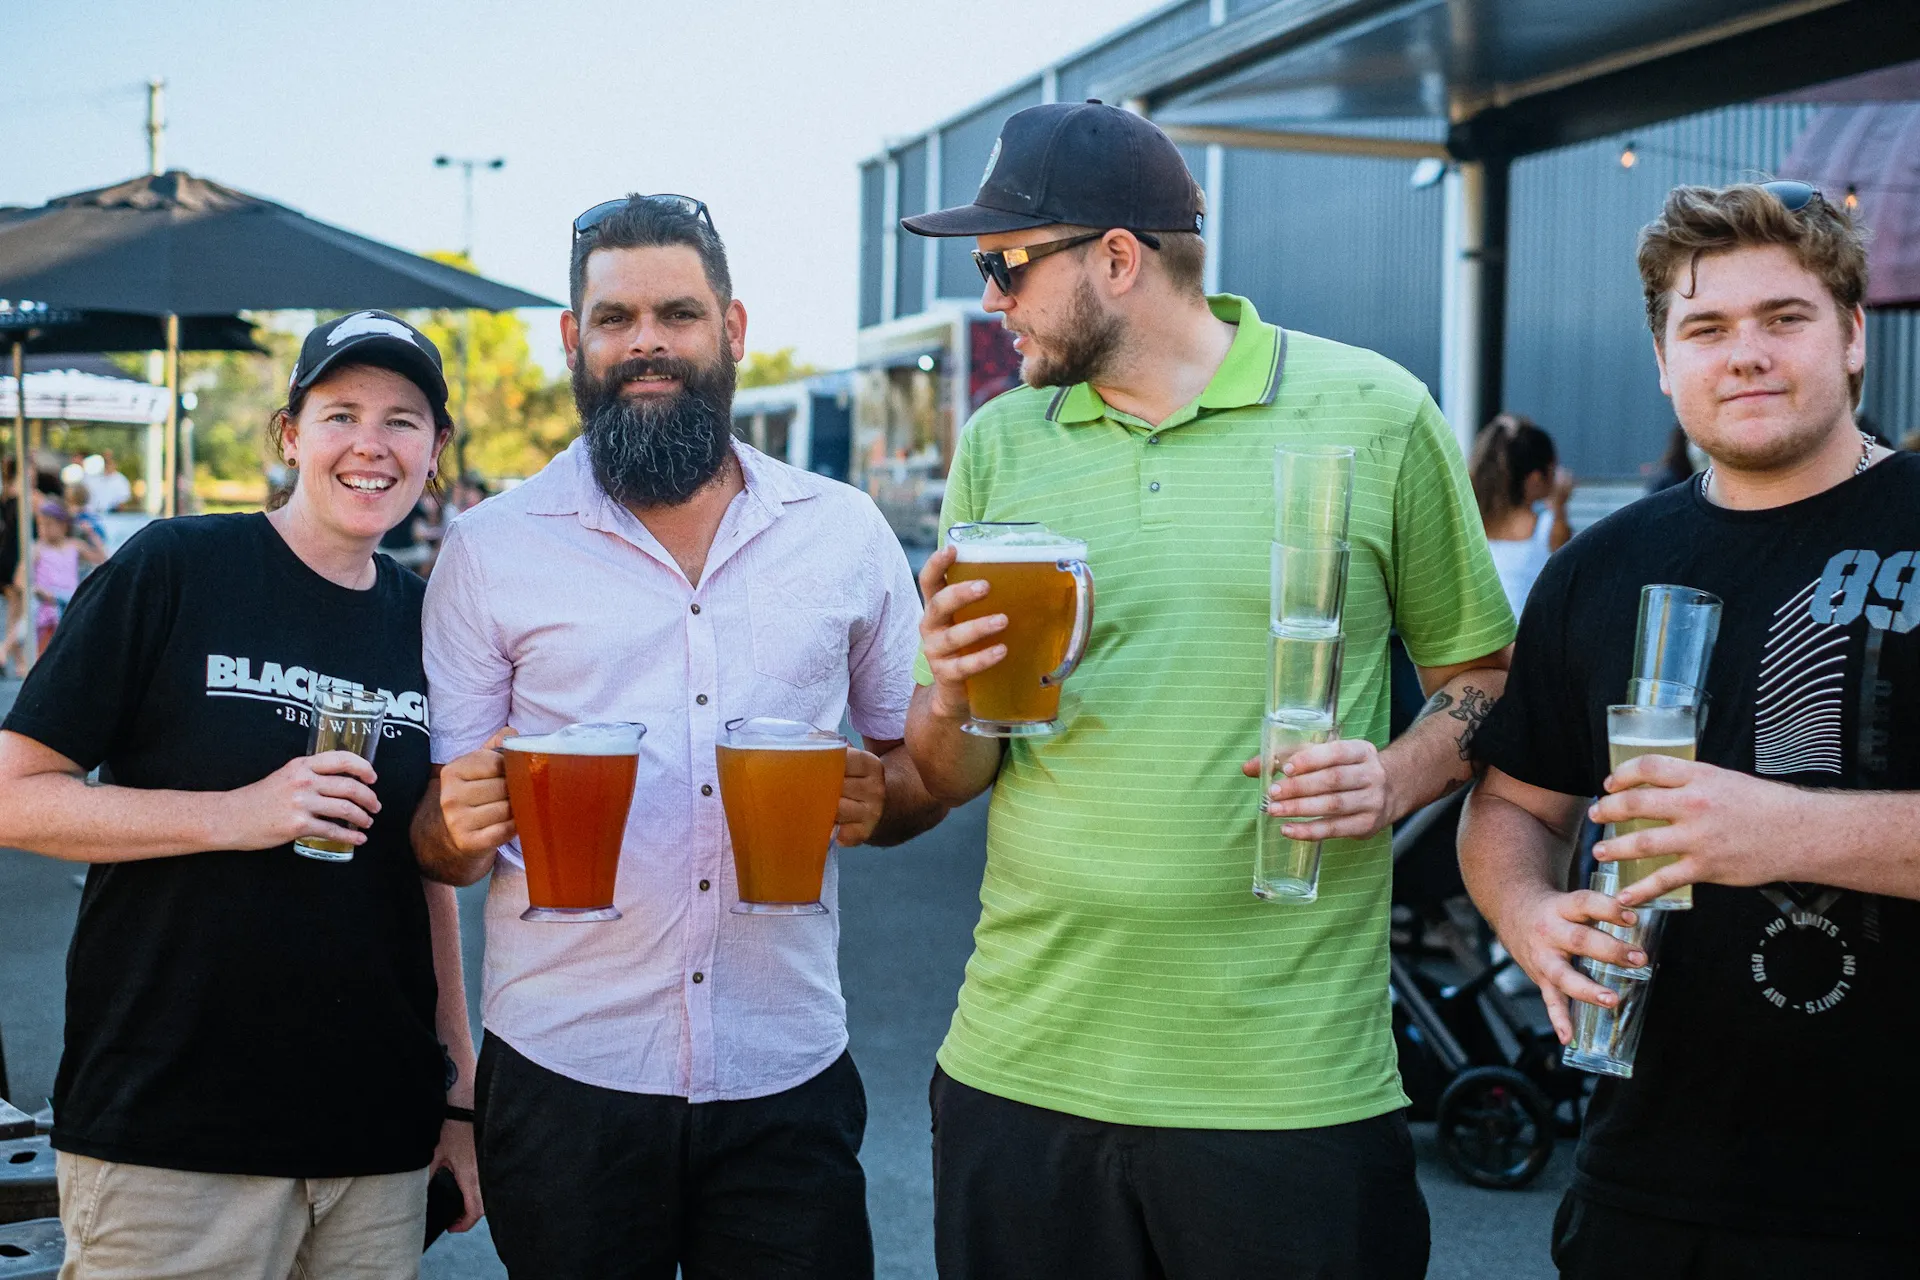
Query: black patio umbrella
(74, 332)
(175, 246)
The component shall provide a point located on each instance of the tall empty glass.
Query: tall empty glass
(343, 720)
(1673, 640)
(1303, 673)
(1312, 504)
(1606, 1038)
(1285, 869)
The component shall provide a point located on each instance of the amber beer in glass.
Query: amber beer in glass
(1041, 581)
(780, 783)
(344, 719)
(570, 791)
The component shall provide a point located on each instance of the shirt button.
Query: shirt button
(1153, 439)
(705, 885)
(699, 977)
(702, 698)
(1154, 487)
(706, 788)
(696, 608)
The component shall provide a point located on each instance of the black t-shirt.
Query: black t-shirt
(1773, 1089)
(250, 1012)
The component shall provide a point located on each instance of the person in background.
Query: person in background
(11, 648)
(1910, 442)
(110, 490)
(1522, 493)
(57, 556)
(1678, 464)
(87, 527)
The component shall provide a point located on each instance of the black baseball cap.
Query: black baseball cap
(377, 338)
(1080, 163)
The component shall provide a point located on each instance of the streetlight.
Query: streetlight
(466, 165)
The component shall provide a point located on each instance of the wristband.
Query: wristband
(459, 1113)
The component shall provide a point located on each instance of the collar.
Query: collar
(1249, 375)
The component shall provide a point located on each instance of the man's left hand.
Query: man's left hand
(455, 1152)
(863, 798)
(1341, 787)
(1725, 827)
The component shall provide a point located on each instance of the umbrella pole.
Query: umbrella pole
(24, 506)
(170, 466)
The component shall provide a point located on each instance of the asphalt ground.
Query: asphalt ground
(908, 915)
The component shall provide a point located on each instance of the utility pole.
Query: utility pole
(156, 127)
(466, 165)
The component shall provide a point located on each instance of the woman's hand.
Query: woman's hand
(455, 1151)
(327, 797)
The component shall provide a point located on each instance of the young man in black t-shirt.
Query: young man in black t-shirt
(1768, 1128)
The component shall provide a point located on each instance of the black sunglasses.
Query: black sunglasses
(1795, 196)
(998, 265)
(607, 208)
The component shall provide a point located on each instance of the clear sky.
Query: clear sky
(761, 108)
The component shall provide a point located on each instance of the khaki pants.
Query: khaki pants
(134, 1222)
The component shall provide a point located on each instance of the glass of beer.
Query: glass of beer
(570, 791)
(1041, 581)
(780, 783)
(1641, 731)
(343, 720)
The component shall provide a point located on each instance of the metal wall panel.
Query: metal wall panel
(1579, 358)
(1338, 246)
(1241, 8)
(910, 265)
(964, 148)
(1892, 392)
(873, 236)
(1149, 38)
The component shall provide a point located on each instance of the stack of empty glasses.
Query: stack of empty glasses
(1665, 710)
(1313, 499)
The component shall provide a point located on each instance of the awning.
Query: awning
(86, 397)
(1873, 153)
(1510, 76)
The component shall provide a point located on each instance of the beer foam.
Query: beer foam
(1650, 744)
(582, 740)
(766, 733)
(971, 552)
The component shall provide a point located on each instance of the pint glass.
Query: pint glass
(570, 791)
(343, 720)
(1041, 581)
(1650, 731)
(780, 783)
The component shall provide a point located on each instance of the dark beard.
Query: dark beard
(1085, 346)
(651, 452)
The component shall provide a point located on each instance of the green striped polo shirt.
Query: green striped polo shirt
(1122, 968)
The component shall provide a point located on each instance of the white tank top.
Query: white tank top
(1520, 560)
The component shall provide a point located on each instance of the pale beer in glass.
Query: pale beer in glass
(1041, 582)
(780, 783)
(1650, 731)
(570, 791)
(343, 719)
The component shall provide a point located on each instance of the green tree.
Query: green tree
(772, 368)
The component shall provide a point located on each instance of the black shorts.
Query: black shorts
(585, 1183)
(1023, 1193)
(1595, 1241)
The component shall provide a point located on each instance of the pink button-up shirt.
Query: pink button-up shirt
(552, 604)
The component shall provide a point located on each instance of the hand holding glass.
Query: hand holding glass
(343, 720)
(1650, 731)
(1041, 582)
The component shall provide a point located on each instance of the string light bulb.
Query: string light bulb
(1630, 156)
(1853, 198)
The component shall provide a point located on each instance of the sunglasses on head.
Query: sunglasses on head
(1794, 196)
(998, 265)
(607, 208)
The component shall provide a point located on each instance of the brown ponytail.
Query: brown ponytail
(1505, 452)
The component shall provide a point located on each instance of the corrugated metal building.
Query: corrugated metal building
(1346, 247)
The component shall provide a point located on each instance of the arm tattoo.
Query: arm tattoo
(1471, 711)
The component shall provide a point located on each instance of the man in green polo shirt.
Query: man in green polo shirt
(1151, 1073)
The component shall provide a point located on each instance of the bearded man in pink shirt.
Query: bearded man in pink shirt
(670, 1089)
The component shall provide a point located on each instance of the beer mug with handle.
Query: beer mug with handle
(1041, 581)
(570, 791)
(780, 784)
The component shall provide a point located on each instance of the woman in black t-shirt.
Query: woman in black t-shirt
(265, 1053)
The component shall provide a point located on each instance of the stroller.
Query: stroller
(1477, 1056)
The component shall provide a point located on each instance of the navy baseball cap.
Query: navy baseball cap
(377, 338)
(1079, 163)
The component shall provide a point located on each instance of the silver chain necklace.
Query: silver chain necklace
(1866, 460)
